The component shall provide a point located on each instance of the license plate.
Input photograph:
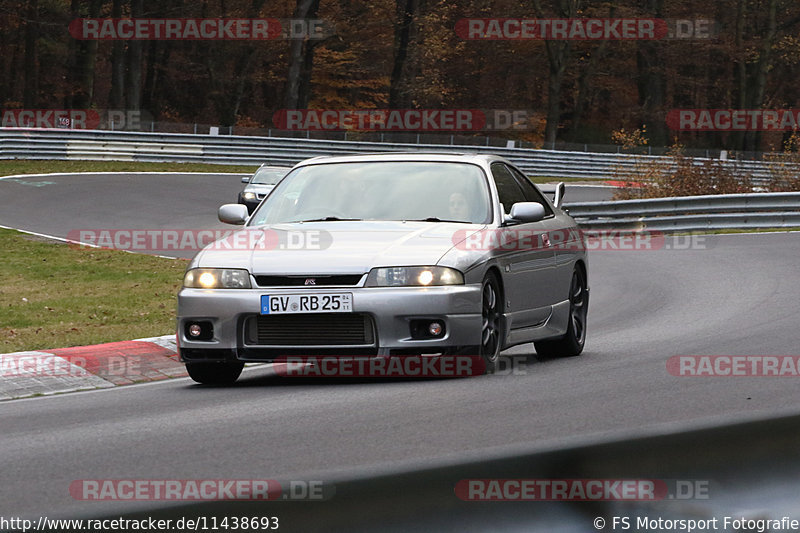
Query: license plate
(282, 304)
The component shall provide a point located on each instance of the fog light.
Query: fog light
(428, 328)
(200, 330)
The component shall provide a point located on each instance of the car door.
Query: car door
(525, 257)
(560, 233)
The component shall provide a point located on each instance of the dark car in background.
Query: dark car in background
(259, 185)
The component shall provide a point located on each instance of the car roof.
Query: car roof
(474, 158)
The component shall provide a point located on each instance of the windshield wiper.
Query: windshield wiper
(437, 219)
(329, 219)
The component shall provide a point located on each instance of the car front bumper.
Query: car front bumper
(391, 311)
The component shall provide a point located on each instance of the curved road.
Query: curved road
(730, 294)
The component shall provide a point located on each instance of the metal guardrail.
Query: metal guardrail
(692, 213)
(251, 150)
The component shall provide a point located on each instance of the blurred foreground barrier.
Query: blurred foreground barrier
(746, 470)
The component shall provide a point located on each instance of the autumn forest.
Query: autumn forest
(407, 54)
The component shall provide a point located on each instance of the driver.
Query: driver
(459, 208)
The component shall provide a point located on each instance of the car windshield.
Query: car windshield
(379, 190)
(268, 176)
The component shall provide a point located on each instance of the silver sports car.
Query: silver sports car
(387, 255)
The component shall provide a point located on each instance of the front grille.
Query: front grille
(346, 280)
(313, 329)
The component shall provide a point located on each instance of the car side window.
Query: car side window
(508, 189)
(531, 193)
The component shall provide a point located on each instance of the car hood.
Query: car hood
(259, 188)
(334, 247)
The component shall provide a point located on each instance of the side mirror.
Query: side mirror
(245, 179)
(235, 214)
(561, 189)
(525, 212)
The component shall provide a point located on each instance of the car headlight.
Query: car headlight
(216, 278)
(249, 196)
(421, 276)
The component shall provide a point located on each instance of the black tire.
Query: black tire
(491, 322)
(215, 373)
(571, 344)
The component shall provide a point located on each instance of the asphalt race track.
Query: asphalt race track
(726, 295)
(57, 205)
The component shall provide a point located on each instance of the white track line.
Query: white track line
(87, 244)
(55, 174)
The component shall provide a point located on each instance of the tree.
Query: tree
(301, 59)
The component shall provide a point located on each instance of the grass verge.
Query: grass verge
(11, 167)
(55, 295)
